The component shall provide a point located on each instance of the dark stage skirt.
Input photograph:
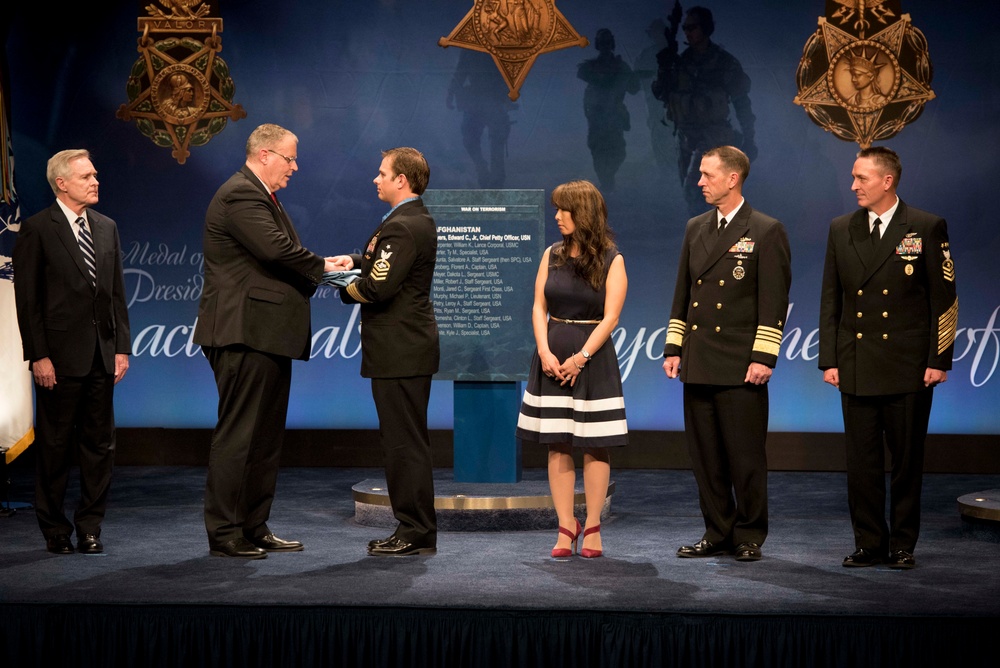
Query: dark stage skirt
(591, 414)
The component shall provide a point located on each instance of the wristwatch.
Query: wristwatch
(585, 354)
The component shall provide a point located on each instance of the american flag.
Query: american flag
(16, 431)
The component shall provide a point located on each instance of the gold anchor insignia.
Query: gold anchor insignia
(864, 88)
(514, 33)
(180, 91)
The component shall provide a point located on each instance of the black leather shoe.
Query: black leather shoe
(272, 543)
(863, 557)
(89, 544)
(59, 544)
(238, 547)
(397, 547)
(703, 548)
(379, 542)
(748, 552)
(901, 559)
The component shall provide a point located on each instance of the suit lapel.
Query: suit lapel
(65, 234)
(861, 237)
(716, 247)
(894, 233)
(284, 222)
(101, 231)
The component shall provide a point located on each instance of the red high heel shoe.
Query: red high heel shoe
(587, 553)
(559, 552)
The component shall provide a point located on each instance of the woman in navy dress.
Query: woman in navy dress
(574, 395)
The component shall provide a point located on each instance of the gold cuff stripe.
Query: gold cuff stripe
(772, 332)
(766, 347)
(352, 290)
(947, 324)
(675, 332)
(768, 340)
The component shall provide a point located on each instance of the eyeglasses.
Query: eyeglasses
(287, 159)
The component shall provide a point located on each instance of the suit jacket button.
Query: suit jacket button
(718, 329)
(885, 314)
(861, 292)
(885, 292)
(694, 305)
(859, 314)
(722, 282)
(885, 337)
(694, 327)
(859, 335)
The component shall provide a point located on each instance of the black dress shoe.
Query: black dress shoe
(703, 548)
(748, 552)
(272, 543)
(379, 542)
(238, 547)
(901, 559)
(396, 547)
(89, 544)
(863, 557)
(59, 544)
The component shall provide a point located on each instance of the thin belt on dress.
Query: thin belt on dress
(575, 322)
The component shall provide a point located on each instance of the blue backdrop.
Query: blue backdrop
(351, 78)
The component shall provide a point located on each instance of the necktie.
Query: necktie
(875, 234)
(274, 199)
(87, 248)
(722, 225)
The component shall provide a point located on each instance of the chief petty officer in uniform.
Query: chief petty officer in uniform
(723, 339)
(886, 335)
(399, 344)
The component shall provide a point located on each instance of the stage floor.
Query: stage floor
(156, 553)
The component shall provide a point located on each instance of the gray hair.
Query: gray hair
(265, 136)
(58, 167)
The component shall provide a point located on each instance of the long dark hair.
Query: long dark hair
(592, 236)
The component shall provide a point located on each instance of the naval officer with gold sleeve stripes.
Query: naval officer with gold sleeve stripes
(723, 340)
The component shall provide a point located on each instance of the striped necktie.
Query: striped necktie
(87, 248)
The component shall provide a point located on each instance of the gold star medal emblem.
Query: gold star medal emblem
(866, 72)
(514, 33)
(179, 90)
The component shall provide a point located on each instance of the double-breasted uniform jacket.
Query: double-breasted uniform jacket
(60, 315)
(888, 314)
(399, 335)
(731, 297)
(258, 277)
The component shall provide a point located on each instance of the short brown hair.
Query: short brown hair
(886, 159)
(732, 158)
(411, 163)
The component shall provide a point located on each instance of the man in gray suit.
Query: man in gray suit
(253, 320)
(71, 313)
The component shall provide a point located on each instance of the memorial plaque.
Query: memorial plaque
(489, 245)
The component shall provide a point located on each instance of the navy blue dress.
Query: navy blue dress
(591, 414)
